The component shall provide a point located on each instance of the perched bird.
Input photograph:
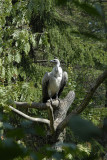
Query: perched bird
(53, 82)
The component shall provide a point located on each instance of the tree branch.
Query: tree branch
(65, 104)
(60, 110)
(40, 120)
(84, 103)
(40, 106)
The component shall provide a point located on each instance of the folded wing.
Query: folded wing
(45, 82)
(63, 82)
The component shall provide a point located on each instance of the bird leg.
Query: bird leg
(49, 92)
(57, 98)
(51, 101)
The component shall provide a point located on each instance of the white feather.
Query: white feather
(54, 81)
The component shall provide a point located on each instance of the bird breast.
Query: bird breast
(54, 81)
(57, 72)
(54, 85)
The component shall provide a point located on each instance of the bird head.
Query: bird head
(55, 61)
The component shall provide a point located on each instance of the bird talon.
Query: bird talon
(58, 100)
(51, 101)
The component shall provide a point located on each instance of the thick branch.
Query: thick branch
(40, 106)
(40, 120)
(65, 104)
(84, 103)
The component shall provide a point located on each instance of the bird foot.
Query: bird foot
(58, 100)
(51, 101)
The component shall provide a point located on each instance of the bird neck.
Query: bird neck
(57, 70)
(58, 65)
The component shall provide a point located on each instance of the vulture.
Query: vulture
(53, 82)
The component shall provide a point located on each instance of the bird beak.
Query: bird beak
(51, 61)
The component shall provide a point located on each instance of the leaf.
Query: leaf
(99, 9)
(83, 129)
(7, 125)
(0, 62)
(33, 41)
(17, 57)
(10, 58)
(88, 8)
(61, 2)
(27, 48)
(3, 72)
(40, 41)
(14, 72)
(10, 150)
(1, 49)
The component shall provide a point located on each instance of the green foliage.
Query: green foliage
(10, 150)
(96, 115)
(82, 129)
(41, 30)
(39, 6)
(90, 9)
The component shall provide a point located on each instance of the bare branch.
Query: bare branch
(84, 103)
(41, 106)
(89, 95)
(40, 120)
